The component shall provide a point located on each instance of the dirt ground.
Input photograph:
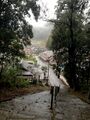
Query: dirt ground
(8, 94)
(83, 96)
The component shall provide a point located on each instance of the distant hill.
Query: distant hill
(39, 43)
(42, 33)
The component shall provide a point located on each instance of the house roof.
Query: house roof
(27, 73)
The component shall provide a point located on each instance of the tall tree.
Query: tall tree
(15, 32)
(67, 33)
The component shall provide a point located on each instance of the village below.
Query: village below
(44, 59)
(40, 76)
(33, 73)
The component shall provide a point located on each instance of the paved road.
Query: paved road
(37, 106)
(53, 80)
(33, 107)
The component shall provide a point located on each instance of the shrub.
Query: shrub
(9, 76)
(22, 82)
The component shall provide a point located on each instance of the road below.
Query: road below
(53, 80)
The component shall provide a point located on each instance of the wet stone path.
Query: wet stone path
(69, 107)
(37, 107)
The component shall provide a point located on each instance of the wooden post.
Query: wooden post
(89, 94)
(56, 91)
(52, 91)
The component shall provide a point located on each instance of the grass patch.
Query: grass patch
(31, 58)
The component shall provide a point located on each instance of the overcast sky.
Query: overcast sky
(42, 29)
(45, 5)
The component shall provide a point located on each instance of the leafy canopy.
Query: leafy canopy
(15, 32)
(69, 37)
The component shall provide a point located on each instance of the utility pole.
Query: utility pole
(48, 69)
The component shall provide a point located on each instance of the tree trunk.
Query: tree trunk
(72, 55)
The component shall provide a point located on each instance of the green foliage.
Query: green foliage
(49, 43)
(15, 32)
(9, 76)
(11, 79)
(31, 58)
(70, 38)
(21, 82)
